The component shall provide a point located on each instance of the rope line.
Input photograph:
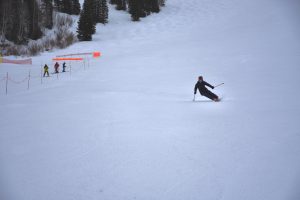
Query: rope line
(76, 67)
(18, 82)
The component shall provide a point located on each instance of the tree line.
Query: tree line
(138, 8)
(96, 11)
(22, 20)
(25, 20)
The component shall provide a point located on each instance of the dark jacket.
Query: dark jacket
(200, 85)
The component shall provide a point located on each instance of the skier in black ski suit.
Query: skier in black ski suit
(200, 85)
(64, 67)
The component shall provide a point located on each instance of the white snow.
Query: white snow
(126, 127)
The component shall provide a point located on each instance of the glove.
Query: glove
(213, 87)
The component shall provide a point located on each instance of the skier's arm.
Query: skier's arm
(209, 85)
(195, 89)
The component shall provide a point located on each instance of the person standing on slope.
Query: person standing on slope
(56, 66)
(200, 85)
(46, 70)
(64, 67)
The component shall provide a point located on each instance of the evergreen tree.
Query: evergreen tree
(100, 11)
(20, 20)
(151, 6)
(121, 5)
(46, 13)
(147, 6)
(14, 32)
(75, 7)
(4, 12)
(113, 2)
(154, 6)
(34, 31)
(161, 2)
(71, 7)
(58, 5)
(67, 6)
(136, 9)
(86, 24)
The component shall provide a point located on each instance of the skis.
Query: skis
(208, 100)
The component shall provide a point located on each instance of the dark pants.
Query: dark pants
(209, 95)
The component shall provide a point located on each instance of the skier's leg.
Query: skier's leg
(211, 95)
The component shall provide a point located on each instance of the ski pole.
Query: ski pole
(219, 85)
(194, 97)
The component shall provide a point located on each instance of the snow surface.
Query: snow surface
(126, 127)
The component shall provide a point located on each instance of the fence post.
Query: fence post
(88, 62)
(84, 64)
(28, 85)
(6, 87)
(70, 68)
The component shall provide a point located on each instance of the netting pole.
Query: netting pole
(6, 87)
(70, 67)
(28, 85)
(84, 63)
(88, 62)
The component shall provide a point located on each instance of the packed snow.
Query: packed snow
(124, 126)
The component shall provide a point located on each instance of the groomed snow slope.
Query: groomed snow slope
(126, 128)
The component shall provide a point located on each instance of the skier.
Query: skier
(200, 85)
(56, 66)
(64, 67)
(46, 70)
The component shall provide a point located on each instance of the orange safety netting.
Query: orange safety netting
(18, 62)
(95, 54)
(70, 59)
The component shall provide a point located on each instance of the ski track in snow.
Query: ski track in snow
(126, 127)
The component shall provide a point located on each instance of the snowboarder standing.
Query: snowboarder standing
(200, 85)
(46, 70)
(56, 66)
(64, 67)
